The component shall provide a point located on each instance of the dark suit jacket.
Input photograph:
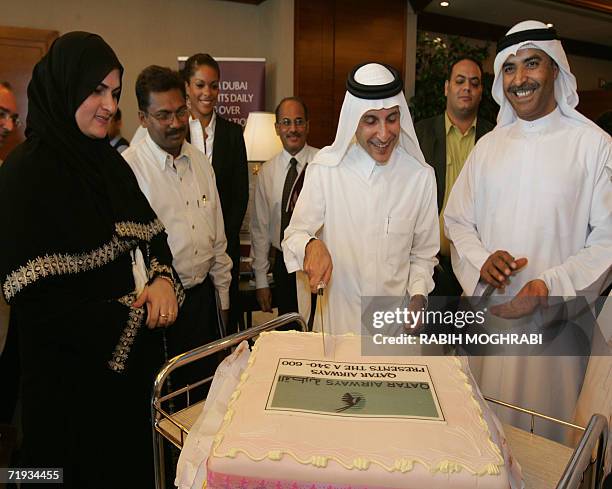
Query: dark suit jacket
(231, 172)
(432, 139)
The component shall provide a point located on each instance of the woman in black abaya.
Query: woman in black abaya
(74, 221)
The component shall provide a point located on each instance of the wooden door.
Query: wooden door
(332, 36)
(20, 49)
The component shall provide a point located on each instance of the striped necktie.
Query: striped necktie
(297, 188)
(289, 181)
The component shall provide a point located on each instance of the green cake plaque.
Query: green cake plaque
(364, 390)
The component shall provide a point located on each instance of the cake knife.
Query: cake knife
(320, 290)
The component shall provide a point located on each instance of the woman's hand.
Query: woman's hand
(160, 299)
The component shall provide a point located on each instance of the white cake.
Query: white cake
(451, 441)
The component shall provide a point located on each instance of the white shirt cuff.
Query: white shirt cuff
(418, 287)
(261, 280)
(547, 277)
(295, 261)
(224, 299)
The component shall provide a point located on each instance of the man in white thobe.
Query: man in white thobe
(371, 198)
(531, 212)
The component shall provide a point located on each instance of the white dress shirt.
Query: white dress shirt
(266, 219)
(183, 194)
(139, 134)
(266, 215)
(380, 225)
(205, 145)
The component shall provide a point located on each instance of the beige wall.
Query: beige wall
(145, 32)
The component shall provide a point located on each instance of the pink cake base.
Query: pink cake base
(221, 480)
(217, 480)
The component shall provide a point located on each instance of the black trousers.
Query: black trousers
(285, 288)
(195, 325)
(236, 319)
(447, 284)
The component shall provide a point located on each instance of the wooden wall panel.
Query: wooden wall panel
(593, 103)
(364, 33)
(314, 56)
(20, 50)
(330, 38)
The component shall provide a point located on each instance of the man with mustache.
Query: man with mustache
(273, 208)
(531, 212)
(446, 141)
(179, 182)
(368, 206)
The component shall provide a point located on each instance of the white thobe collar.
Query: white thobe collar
(360, 161)
(164, 159)
(366, 166)
(540, 124)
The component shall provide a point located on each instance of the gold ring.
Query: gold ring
(163, 316)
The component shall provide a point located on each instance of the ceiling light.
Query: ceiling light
(444, 4)
(549, 25)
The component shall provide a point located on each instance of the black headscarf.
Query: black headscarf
(86, 202)
(75, 65)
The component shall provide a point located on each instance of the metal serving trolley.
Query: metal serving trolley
(546, 464)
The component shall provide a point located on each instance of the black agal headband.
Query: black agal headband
(547, 34)
(374, 92)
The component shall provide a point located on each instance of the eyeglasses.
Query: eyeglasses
(166, 116)
(5, 115)
(286, 122)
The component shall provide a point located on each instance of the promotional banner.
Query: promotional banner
(242, 87)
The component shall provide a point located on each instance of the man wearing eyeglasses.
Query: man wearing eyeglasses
(179, 182)
(9, 119)
(279, 179)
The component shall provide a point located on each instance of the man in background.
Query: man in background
(446, 141)
(179, 182)
(116, 140)
(273, 208)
